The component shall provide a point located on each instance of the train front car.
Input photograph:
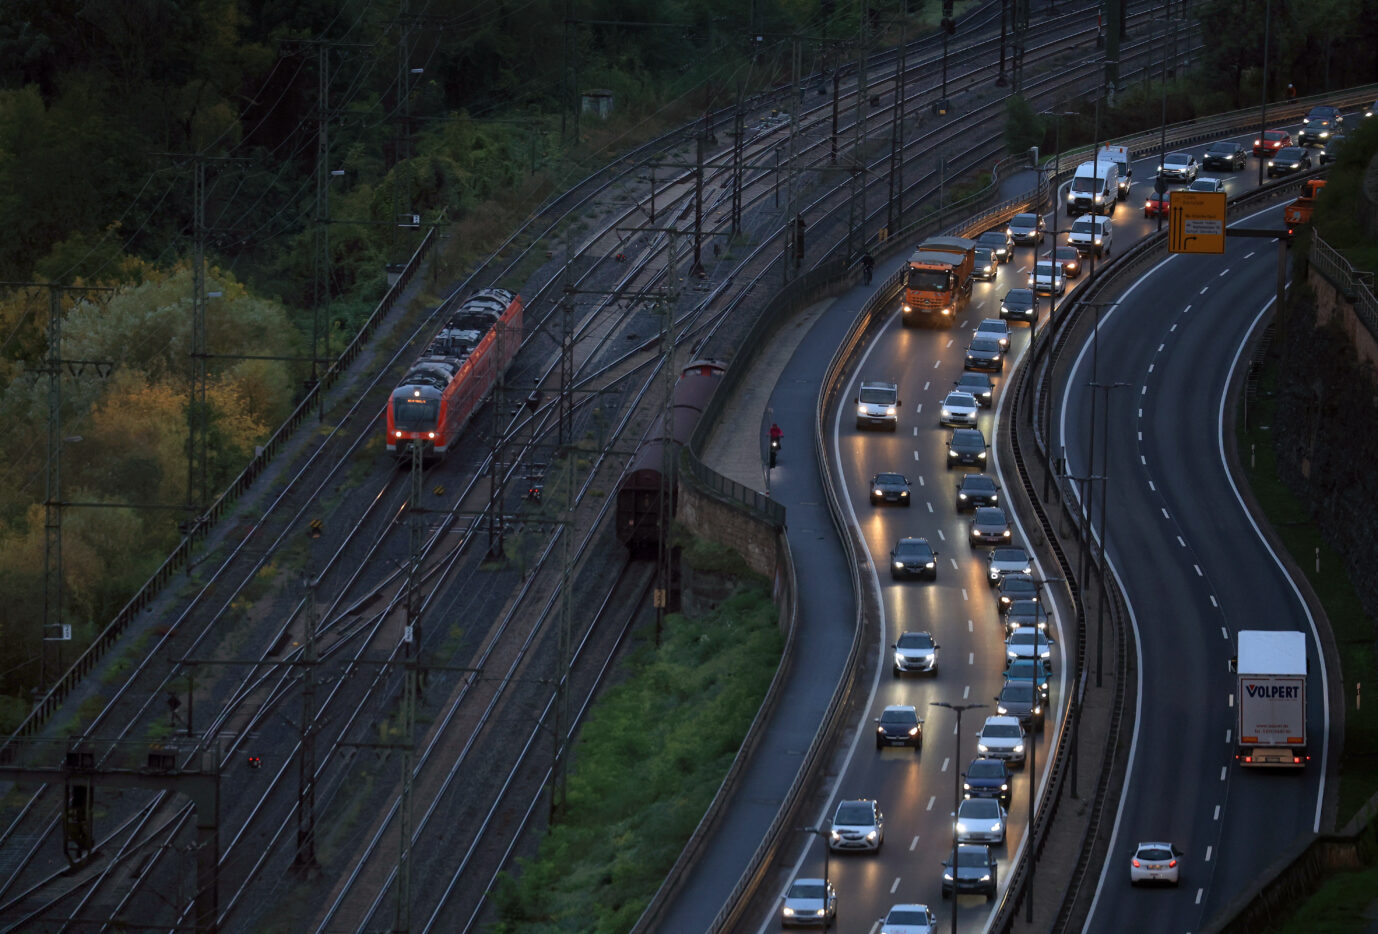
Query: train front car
(447, 383)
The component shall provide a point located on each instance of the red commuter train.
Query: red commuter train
(449, 381)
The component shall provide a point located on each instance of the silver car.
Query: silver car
(809, 901)
(916, 652)
(857, 825)
(1028, 643)
(989, 525)
(959, 410)
(1001, 738)
(980, 820)
(1179, 166)
(1010, 560)
(996, 328)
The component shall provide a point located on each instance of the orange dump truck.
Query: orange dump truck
(938, 282)
(1299, 211)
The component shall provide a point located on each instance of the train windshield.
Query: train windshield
(929, 280)
(415, 414)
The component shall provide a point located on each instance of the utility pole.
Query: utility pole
(305, 863)
(738, 142)
(895, 217)
(669, 450)
(411, 652)
(1020, 32)
(856, 205)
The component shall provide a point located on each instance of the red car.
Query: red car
(1157, 204)
(1271, 142)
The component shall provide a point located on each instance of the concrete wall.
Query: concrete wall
(728, 523)
(1331, 305)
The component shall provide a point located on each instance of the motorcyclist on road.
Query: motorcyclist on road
(777, 435)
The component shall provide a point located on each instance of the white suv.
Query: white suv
(1001, 738)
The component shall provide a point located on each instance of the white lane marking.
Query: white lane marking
(1173, 328)
(1217, 812)
(944, 768)
(930, 506)
(930, 803)
(1204, 289)
(1248, 254)
(1165, 515)
(1231, 699)
(1152, 487)
(971, 658)
(1208, 854)
(916, 455)
(925, 385)
(920, 408)
(1181, 541)
(1199, 573)
(1186, 309)
(1223, 773)
(964, 593)
(894, 885)
(1141, 436)
(1199, 893)
(1141, 413)
(916, 434)
(941, 536)
(1228, 734)
(966, 692)
(950, 341)
(1225, 272)
(1143, 460)
(913, 843)
(971, 627)
(954, 563)
(1213, 603)
(1160, 348)
(1151, 366)
(935, 363)
(1143, 391)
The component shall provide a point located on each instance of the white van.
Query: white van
(1096, 186)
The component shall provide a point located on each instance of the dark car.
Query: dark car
(1018, 305)
(1332, 148)
(1320, 124)
(1014, 587)
(987, 778)
(1021, 699)
(1289, 160)
(913, 557)
(899, 725)
(977, 489)
(987, 265)
(890, 488)
(1271, 141)
(1037, 671)
(1023, 612)
(990, 526)
(1027, 228)
(1226, 155)
(970, 868)
(1070, 259)
(979, 385)
(1000, 241)
(966, 448)
(984, 353)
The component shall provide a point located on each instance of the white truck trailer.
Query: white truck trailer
(1271, 699)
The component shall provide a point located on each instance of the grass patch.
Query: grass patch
(676, 723)
(1338, 907)
(1324, 569)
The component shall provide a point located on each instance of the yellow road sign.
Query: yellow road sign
(1196, 222)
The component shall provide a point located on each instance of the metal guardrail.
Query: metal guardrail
(180, 555)
(1354, 285)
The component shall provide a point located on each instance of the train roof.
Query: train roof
(463, 330)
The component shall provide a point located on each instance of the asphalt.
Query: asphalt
(782, 387)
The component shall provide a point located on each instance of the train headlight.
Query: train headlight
(430, 435)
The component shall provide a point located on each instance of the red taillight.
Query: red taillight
(1172, 864)
(1136, 864)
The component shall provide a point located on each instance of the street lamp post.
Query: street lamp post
(1104, 484)
(956, 792)
(1159, 186)
(1263, 111)
(827, 850)
(1057, 116)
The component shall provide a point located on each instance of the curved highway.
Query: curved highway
(1183, 784)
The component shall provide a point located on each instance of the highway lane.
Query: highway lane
(1196, 571)
(916, 790)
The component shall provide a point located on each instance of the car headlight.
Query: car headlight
(961, 827)
(1019, 747)
(879, 493)
(930, 565)
(951, 453)
(904, 493)
(1324, 134)
(947, 875)
(899, 564)
(1098, 241)
(982, 748)
(891, 410)
(1000, 709)
(961, 496)
(995, 826)
(1006, 533)
(1011, 653)
(788, 912)
(986, 877)
(947, 413)
(1004, 787)
(982, 455)
(1098, 198)
(1270, 163)
(1004, 309)
(906, 309)
(913, 731)
(861, 410)
(871, 837)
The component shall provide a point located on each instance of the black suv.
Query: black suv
(1018, 305)
(977, 489)
(967, 447)
(913, 557)
(1291, 159)
(1319, 124)
(890, 488)
(987, 778)
(899, 725)
(1225, 155)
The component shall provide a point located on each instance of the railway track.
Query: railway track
(367, 589)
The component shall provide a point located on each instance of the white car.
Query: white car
(857, 825)
(1092, 234)
(996, 328)
(917, 652)
(1028, 643)
(1001, 738)
(959, 410)
(1207, 184)
(980, 820)
(909, 919)
(809, 901)
(1180, 166)
(1047, 278)
(1009, 560)
(1155, 862)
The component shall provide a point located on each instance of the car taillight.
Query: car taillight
(1136, 864)
(1172, 864)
